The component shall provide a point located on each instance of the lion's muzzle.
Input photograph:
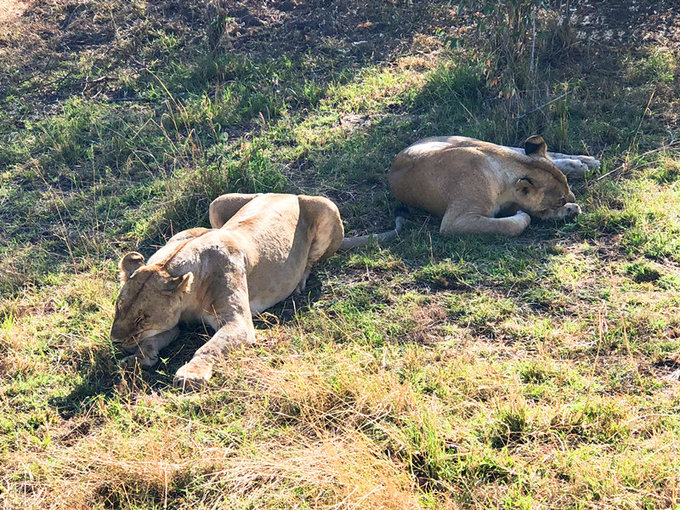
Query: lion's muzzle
(122, 339)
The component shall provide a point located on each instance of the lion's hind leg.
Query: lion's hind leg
(571, 167)
(326, 232)
(225, 206)
(589, 162)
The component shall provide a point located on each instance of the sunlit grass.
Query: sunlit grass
(428, 372)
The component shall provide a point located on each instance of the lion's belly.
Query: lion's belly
(281, 266)
(276, 240)
(261, 303)
(265, 292)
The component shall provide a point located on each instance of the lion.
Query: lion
(481, 187)
(260, 249)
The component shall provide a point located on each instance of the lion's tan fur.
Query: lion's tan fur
(469, 182)
(260, 249)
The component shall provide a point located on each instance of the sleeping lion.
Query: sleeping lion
(480, 187)
(259, 250)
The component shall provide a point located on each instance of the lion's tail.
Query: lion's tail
(400, 216)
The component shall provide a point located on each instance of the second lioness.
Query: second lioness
(470, 183)
(263, 251)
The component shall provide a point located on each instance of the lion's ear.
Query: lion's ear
(535, 146)
(524, 186)
(179, 284)
(129, 264)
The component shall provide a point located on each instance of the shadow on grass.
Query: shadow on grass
(97, 159)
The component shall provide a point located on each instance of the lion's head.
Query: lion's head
(544, 189)
(148, 303)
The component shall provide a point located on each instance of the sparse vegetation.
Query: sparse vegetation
(430, 372)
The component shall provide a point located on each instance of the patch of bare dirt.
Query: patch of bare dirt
(349, 27)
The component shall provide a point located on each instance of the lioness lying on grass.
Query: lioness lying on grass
(471, 183)
(261, 248)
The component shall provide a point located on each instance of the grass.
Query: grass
(428, 372)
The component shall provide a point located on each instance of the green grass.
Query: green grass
(427, 372)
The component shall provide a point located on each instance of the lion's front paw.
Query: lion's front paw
(193, 375)
(520, 223)
(523, 220)
(571, 210)
(523, 217)
(130, 362)
(137, 360)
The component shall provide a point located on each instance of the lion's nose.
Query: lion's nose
(116, 335)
